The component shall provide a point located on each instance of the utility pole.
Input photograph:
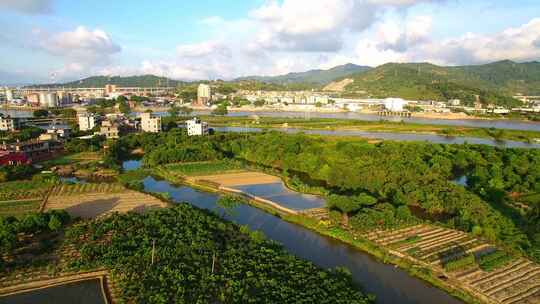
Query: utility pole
(153, 250)
(213, 262)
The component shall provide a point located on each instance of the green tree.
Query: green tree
(220, 110)
(40, 113)
(345, 204)
(54, 223)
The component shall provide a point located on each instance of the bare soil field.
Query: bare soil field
(515, 282)
(98, 200)
(240, 179)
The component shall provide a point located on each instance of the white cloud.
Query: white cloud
(28, 6)
(212, 21)
(89, 46)
(519, 43)
(206, 48)
(399, 37)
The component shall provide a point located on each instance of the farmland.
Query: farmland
(98, 200)
(494, 274)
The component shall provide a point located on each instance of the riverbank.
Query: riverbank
(382, 254)
(328, 124)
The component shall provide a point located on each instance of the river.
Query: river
(478, 123)
(390, 284)
(439, 139)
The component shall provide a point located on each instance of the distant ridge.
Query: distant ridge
(318, 77)
(127, 81)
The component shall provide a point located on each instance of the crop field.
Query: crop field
(18, 208)
(22, 190)
(98, 200)
(495, 274)
(203, 168)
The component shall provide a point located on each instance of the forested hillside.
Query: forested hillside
(424, 81)
(314, 76)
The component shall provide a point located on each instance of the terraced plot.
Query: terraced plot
(19, 207)
(517, 281)
(98, 200)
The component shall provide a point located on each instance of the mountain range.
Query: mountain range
(121, 81)
(318, 77)
(493, 83)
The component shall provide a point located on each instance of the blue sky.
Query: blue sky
(57, 40)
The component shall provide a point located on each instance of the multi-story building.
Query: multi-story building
(87, 121)
(196, 127)
(150, 123)
(9, 95)
(204, 94)
(35, 149)
(7, 123)
(109, 129)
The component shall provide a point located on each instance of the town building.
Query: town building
(150, 123)
(394, 104)
(35, 150)
(196, 127)
(8, 158)
(109, 129)
(48, 99)
(7, 123)
(9, 95)
(87, 121)
(204, 94)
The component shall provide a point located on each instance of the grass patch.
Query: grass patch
(72, 159)
(19, 190)
(494, 260)
(203, 168)
(460, 263)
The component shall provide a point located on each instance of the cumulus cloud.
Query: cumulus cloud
(318, 25)
(28, 6)
(517, 43)
(197, 50)
(399, 37)
(81, 44)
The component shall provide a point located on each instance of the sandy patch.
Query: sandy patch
(92, 205)
(240, 179)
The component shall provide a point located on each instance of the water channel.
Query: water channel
(391, 285)
(85, 292)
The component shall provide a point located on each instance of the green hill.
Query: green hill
(314, 76)
(129, 81)
(494, 83)
(508, 76)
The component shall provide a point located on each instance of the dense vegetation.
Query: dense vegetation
(12, 229)
(387, 184)
(200, 258)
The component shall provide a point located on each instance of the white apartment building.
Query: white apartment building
(9, 95)
(87, 121)
(7, 123)
(196, 127)
(204, 94)
(150, 123)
